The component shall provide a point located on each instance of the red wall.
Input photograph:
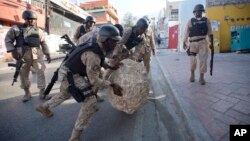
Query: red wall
(173, 37)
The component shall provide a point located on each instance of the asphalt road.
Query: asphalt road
(161, 119)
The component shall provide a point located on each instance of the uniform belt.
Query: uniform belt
(197, 40)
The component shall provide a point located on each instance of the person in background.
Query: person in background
(198, 31)
(87, 26)
(28, 41)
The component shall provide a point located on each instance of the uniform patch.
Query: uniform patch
(96, 68)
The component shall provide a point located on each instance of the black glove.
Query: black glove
(116, 89)
(15, 54)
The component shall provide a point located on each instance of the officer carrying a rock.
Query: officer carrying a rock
(79, 76)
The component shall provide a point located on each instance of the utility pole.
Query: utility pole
(47, 16)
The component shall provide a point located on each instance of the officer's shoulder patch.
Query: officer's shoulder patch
(96, 68)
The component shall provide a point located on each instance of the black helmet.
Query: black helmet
(120, 28)
(199, 7)
(143, 23)
(28, 14)
(109, 32)
(90, 19)
(147, 18)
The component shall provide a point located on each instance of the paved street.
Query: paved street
(177, 110)
(161, 119)
(224, 100)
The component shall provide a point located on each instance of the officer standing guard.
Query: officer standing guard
(198, 31)
(24, 42)
(87, 26)
(79, 76)
(143, 52)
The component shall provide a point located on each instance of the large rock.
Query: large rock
(133, 79)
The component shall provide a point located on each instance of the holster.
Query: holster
(78, 94)
(190, 53)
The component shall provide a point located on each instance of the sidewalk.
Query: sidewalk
(224, 100)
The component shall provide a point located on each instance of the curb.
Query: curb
(197, 129)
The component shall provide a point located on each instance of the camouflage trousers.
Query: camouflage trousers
(88, 107)
(201, 48)
(35, 61)
(143, 53)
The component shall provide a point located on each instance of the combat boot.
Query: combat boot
(27, 96)
(41, 95)
(44, 110)
(192, 76)
(75, 136)
(202, 80)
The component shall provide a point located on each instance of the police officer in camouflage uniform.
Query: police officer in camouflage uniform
(25, 40)
(143, 52)
(198, 31)
(132, 37)
(85, 63)
(87, 26)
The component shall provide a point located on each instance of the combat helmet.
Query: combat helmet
(90, 19)
(109, 32)
(199, 7)
(28, 14)
(142, 23)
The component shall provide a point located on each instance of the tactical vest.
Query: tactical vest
(74, 62)
(199, 27)
(133, 41)
(28, 37)
(82, 31)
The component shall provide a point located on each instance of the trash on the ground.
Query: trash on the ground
(132, 77)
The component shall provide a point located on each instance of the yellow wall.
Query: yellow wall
(232, 11)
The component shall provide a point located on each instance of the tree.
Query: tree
(129, 20)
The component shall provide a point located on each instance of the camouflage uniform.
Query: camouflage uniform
(200, 47)
(143, 52)
(92, 63)
(33, 57)
(78, 30)
(121, 52)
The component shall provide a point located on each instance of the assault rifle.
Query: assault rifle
(18, 66)
(55, 76)
(212, 54)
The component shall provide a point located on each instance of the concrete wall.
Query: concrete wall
(227, 16)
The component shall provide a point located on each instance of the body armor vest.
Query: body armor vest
(133, 41)
(199, 27)
(82, 31)
(28, 37)
(74, 62)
